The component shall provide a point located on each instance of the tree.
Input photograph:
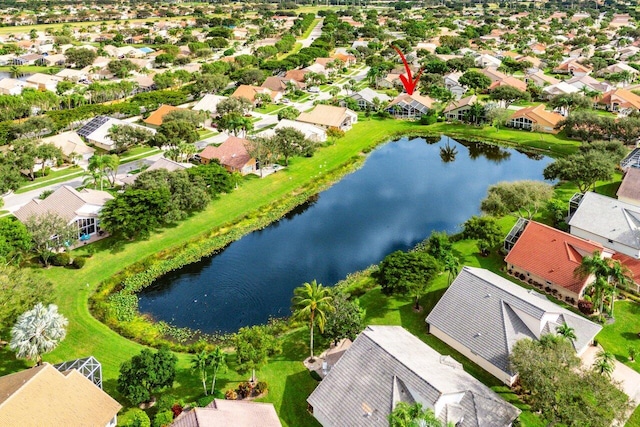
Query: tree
(215, 177)
(405, 415)
(498, 116)
(46, 152)
(290, 142)
(209, 83)
(80, 57)
(254, 345)
(50, 232)
(346, 320)
(15, 240)
(217, 361)
(312, 302)
(234, 104)
(199, 362)
(451, 266)
(125, 137)
(566, 332)
(507, 95)
(38, 331)
(196, 118)
(406, 273)
(289, 113)
(21, 289)
(145, 374)
(438, 245)
(474, 80)
(604, 363)
(584, 169)
(518, 198)
(563, 394)
(174, 132)
(135, 212)
(567, 102)
(609, 274)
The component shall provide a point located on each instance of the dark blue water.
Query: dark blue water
(403, 192)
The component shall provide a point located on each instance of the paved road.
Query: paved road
(315, 33)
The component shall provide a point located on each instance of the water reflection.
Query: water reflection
(403, 192)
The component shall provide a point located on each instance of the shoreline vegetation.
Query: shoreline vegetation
(81, 294)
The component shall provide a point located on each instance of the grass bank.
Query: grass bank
(289, 382)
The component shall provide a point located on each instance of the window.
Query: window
(86, 226)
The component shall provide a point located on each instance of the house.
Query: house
(96, 131)
(232, 154)
(485, 60)
(79, 207)
(387, 365)
(536, 118)
(155, 118)
(9, 86)
(297, 75)
(509, 81)
(407, 106)
(390, 81)
(223, 412)
(451, 83)
(629, 190)
(540, 79)
(72, 146)
(55, 60)
(209, 103)
(618, 68)
(482, 315)
(457, 110)
(161, 163)
(279, 84)
(365, 98)
(72, 75)
(44, 396)
(591, 83)
(611, 222)
(311, 132)
(619, 100)
(493, 74)
(560, 88)
(44, 81)
(547, 258)
(572, 67)
(328, 116)
(249, 92)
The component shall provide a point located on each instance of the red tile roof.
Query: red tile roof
(231, 153)
(631, 263)
(551, 254)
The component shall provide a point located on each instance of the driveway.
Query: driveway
(628, 378)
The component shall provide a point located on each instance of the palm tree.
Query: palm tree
(312, 302)
(619, 275)
(451, 266)
(199, 362)
(596, 265)
(448, 153)
(15, 72)
(38, 331)
(99, 165)
(217, 361)
(567, 332)
(605, 363)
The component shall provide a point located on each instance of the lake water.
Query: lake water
(403, 192)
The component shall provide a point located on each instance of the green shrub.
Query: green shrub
(162, 419)
(60, 259)
(78, 262)
(261, 387)
(231, 395)
(315, 375)
(138, 418)
(204, 401)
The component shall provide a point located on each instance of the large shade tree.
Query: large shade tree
(312, 302)
(518, 198)
(38, 331)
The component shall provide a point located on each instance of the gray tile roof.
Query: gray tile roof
(609, 218)
(386, 365)
(489, 314)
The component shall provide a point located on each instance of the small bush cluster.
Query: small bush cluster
(61, 259)
(78, 262)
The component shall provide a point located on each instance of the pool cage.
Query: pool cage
(515, 233)
(88, 366)
(574, 203)
(632, 160)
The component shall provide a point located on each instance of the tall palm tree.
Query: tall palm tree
(37, 331)
(98, 165)
(312, 302)
(451, 266)
(567, 332)
(605, 363)
(596, 265)
(199, 363)
(217, 361)
(619, 275)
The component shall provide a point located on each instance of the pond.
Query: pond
(405, 189)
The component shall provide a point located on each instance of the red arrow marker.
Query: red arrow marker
(407, 81)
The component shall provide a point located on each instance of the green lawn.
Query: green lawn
(30, 69)
(289, 382)
(269, 108)
(54, 177)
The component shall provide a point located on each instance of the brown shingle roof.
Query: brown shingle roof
(155, 118)
(551, 254)
(43, 396)
(630, 187)
(539, 115)
(250, 92)
(454, 105)
(232, 153)
(65, 201)
(230, 412)
(325, 115)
